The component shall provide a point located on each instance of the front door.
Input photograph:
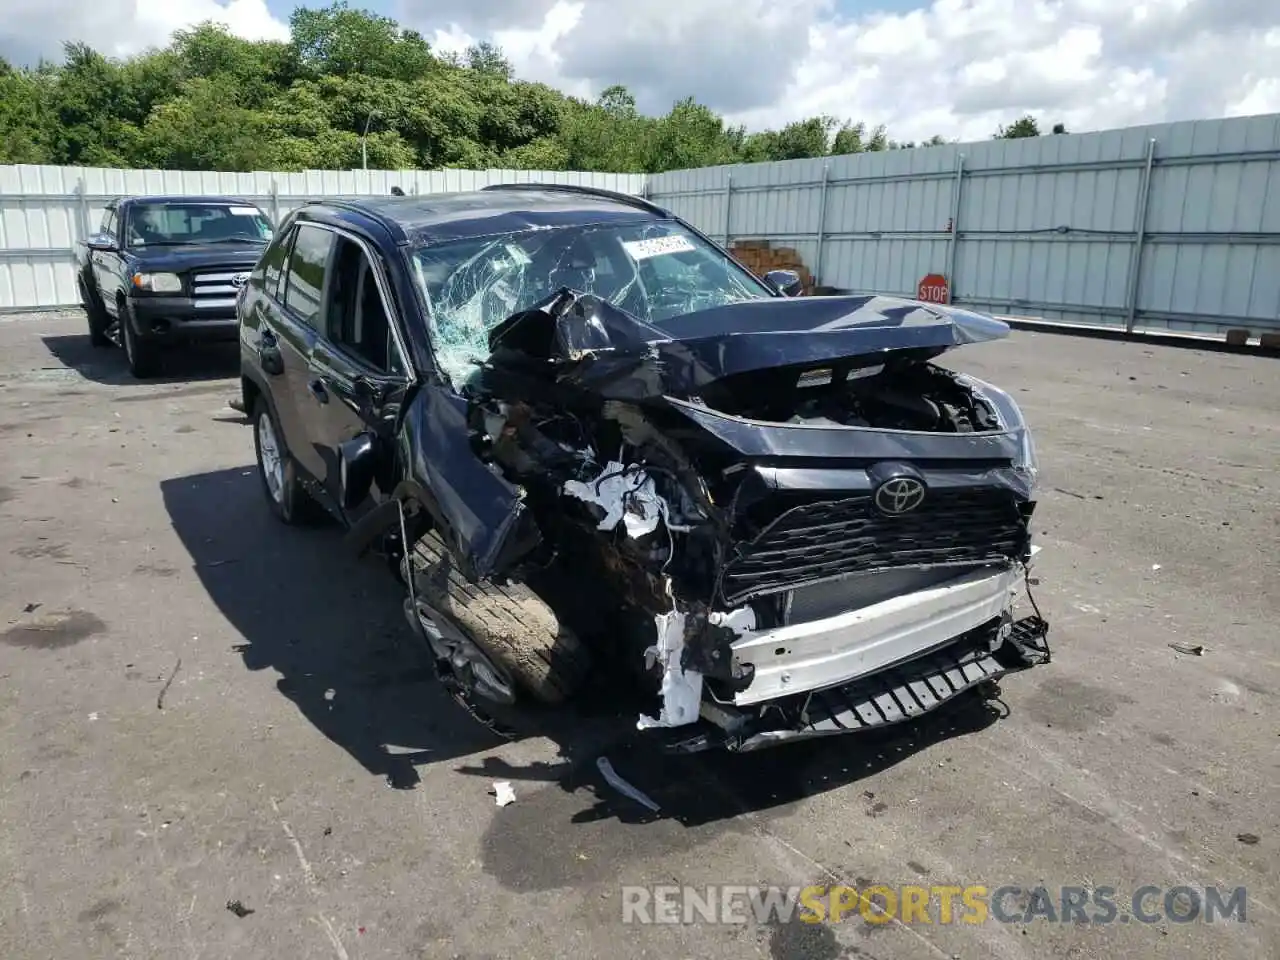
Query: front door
(295, 317)
(106, 264)
(357, 377)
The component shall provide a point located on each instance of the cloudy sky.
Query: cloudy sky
(954, 67)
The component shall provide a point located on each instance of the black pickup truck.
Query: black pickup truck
(168, 269)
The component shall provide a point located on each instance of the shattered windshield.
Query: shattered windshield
(654, 270)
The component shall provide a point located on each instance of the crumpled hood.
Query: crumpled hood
(605, 349)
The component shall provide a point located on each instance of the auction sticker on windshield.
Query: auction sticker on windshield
(657, 246)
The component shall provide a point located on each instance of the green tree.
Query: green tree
(204, 128)
(24, 121)
(487, 58)
(1023, 127)
(343, 41)
(351, 82)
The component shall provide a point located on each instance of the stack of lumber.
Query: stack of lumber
(760, 256)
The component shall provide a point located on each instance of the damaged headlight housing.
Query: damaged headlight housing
(157, 282)
(1010, 415)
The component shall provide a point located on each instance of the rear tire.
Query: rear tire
(288, 501)
(511, 624)
(99, 321)
(142, 355)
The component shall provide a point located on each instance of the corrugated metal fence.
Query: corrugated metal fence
(45, 211)
(1167, 228)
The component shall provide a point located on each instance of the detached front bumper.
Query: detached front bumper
(838, 649)
(870, 667)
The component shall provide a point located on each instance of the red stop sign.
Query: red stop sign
(934, 289)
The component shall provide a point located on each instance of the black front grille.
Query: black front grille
(814, 542)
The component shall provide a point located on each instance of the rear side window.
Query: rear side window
(273, 262)
(304, 287)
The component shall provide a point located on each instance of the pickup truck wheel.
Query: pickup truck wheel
(99, 321)
(142, 355)
(510, 624)
(286, 498)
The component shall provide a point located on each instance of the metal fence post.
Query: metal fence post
(275, 203)
(728, 206)
(822, 223)
(1139, 238)
(82, 202)
(954, 240)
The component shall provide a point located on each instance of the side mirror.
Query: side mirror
(786, 282)
(367, 393)
(355, 470)
(101, 241)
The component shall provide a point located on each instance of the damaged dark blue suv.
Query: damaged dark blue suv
(584, 434)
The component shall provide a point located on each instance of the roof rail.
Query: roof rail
(629, 199)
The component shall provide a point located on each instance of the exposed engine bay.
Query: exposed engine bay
(752, 530)
(906, 395)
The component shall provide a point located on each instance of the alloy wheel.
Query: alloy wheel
(272, 463)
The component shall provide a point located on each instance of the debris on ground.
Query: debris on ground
(627, 790)
(503, 792)
(238, 908)
(1190, 649)
(167, 684)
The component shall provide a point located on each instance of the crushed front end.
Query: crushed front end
(785, 537)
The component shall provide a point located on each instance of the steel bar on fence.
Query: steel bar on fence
(1140, 230)
(1082, 166)
(954, 240)
(822, 223)
(82, 205)
(728, 207)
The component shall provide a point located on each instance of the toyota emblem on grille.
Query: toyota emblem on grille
(899, 495)
(239, 280)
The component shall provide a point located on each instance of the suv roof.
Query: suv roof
(501, 208)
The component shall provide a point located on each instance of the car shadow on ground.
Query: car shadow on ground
(178, 364)
(330, 624)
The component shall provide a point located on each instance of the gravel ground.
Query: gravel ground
(199, 706)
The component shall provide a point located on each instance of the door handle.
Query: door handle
(319, 391)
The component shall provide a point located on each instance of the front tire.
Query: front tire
(288, 501)
(142, 355)
(99, 321)
(508, 622)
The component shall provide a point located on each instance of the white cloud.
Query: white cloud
(955, 67)
(122, 27)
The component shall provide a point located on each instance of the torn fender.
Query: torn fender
(483, 517)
